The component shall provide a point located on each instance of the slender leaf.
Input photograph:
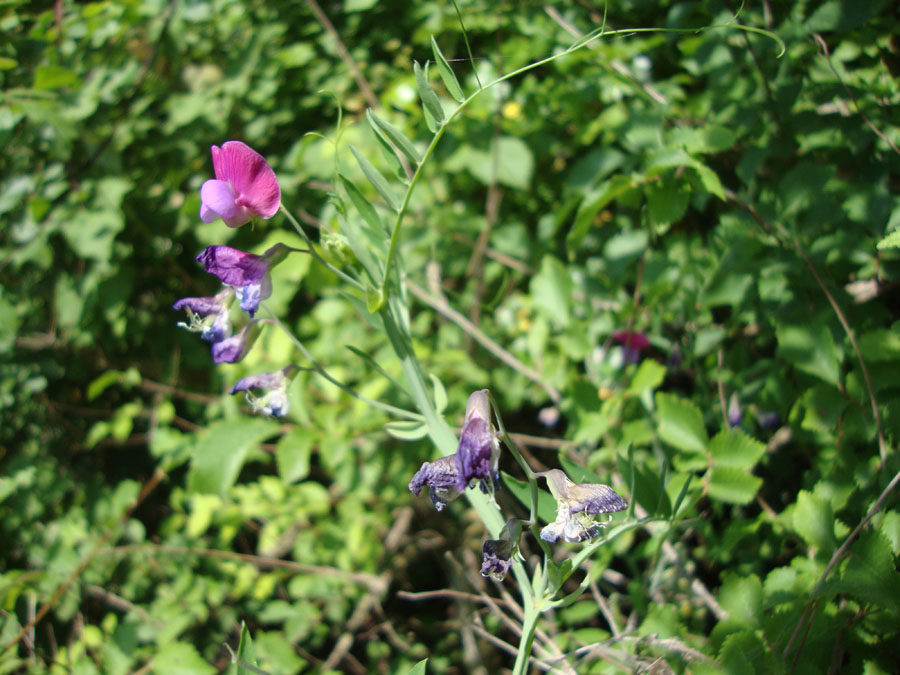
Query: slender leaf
(429, 98)
(383, 128)
(375, 178)
(446, 72)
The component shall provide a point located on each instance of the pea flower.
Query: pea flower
(274, 402)
(246, 273)
(634, 344)
(440, 477)
(479, 447)
(234, 348)
(497, 554)
(577, 504)
(208, 316)
(244, 185)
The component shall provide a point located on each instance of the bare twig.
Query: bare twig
(827, 56)
(375, 584)
(440, 305)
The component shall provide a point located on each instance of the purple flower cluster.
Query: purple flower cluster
(244, 186)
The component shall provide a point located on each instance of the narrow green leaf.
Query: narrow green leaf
(245, 651)
(374, 299)
(440, 395)
(546, 506)
(446, 72)
(407, 430)
(375, 178)
(429, 98)
(384, 128)
(377, 367)
(363, 205)
(419, 668)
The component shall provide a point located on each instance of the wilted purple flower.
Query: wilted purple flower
(549, 416)
(479, 448)
(767, 419)
(634, 344)
(577, 504)
(274, 402)
(735, 414)
(440, 476)
(207, 316)
(497, 554)
(244, 185)
(234, 348)
(247, 273)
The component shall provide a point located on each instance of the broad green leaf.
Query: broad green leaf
(681, 423)
(732, 484)
(292, 455)
(219, 453)
(394, 135)
(446, 72)
(551, 290)
(429, 98)
(742, 598)
(593, 203)
(649, 376)
(810, 347)
(870, 573)
(813, 520)
(375, 178)
(667, 199)
(734, 448)
(407, 430)
(180, 658)
(880, 345)
(9, 325)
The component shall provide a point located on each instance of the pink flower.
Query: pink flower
(244, 185)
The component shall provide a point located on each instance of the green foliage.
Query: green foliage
(691, 186)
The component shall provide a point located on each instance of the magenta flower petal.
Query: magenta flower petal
(233, 267)
(252, 179)
(218, 200)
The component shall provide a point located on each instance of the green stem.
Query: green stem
(399, 412)
(580, 44)
(529, 624)
(315, 254)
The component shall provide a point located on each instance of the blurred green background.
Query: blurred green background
(693, 186)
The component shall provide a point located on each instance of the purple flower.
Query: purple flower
(634, 344)
(577, 504)
(440, 477)
(246, 273)
(735, 414)
(234, 348)
(274, 402)
(244, 185)
(479, 449)
(497, 554)
(207, 316)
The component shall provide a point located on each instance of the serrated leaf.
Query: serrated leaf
(810, 348)
(734, 448)
(649, 376)
(732, 485)
(219, 453)
(429, 98)
(375, 178)
(292, 455)
(870, 573)
(890, 241)
(813, 520)
(681, 423)
(395, 136)
(440, 394)
(447, 74)
(407, 430)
